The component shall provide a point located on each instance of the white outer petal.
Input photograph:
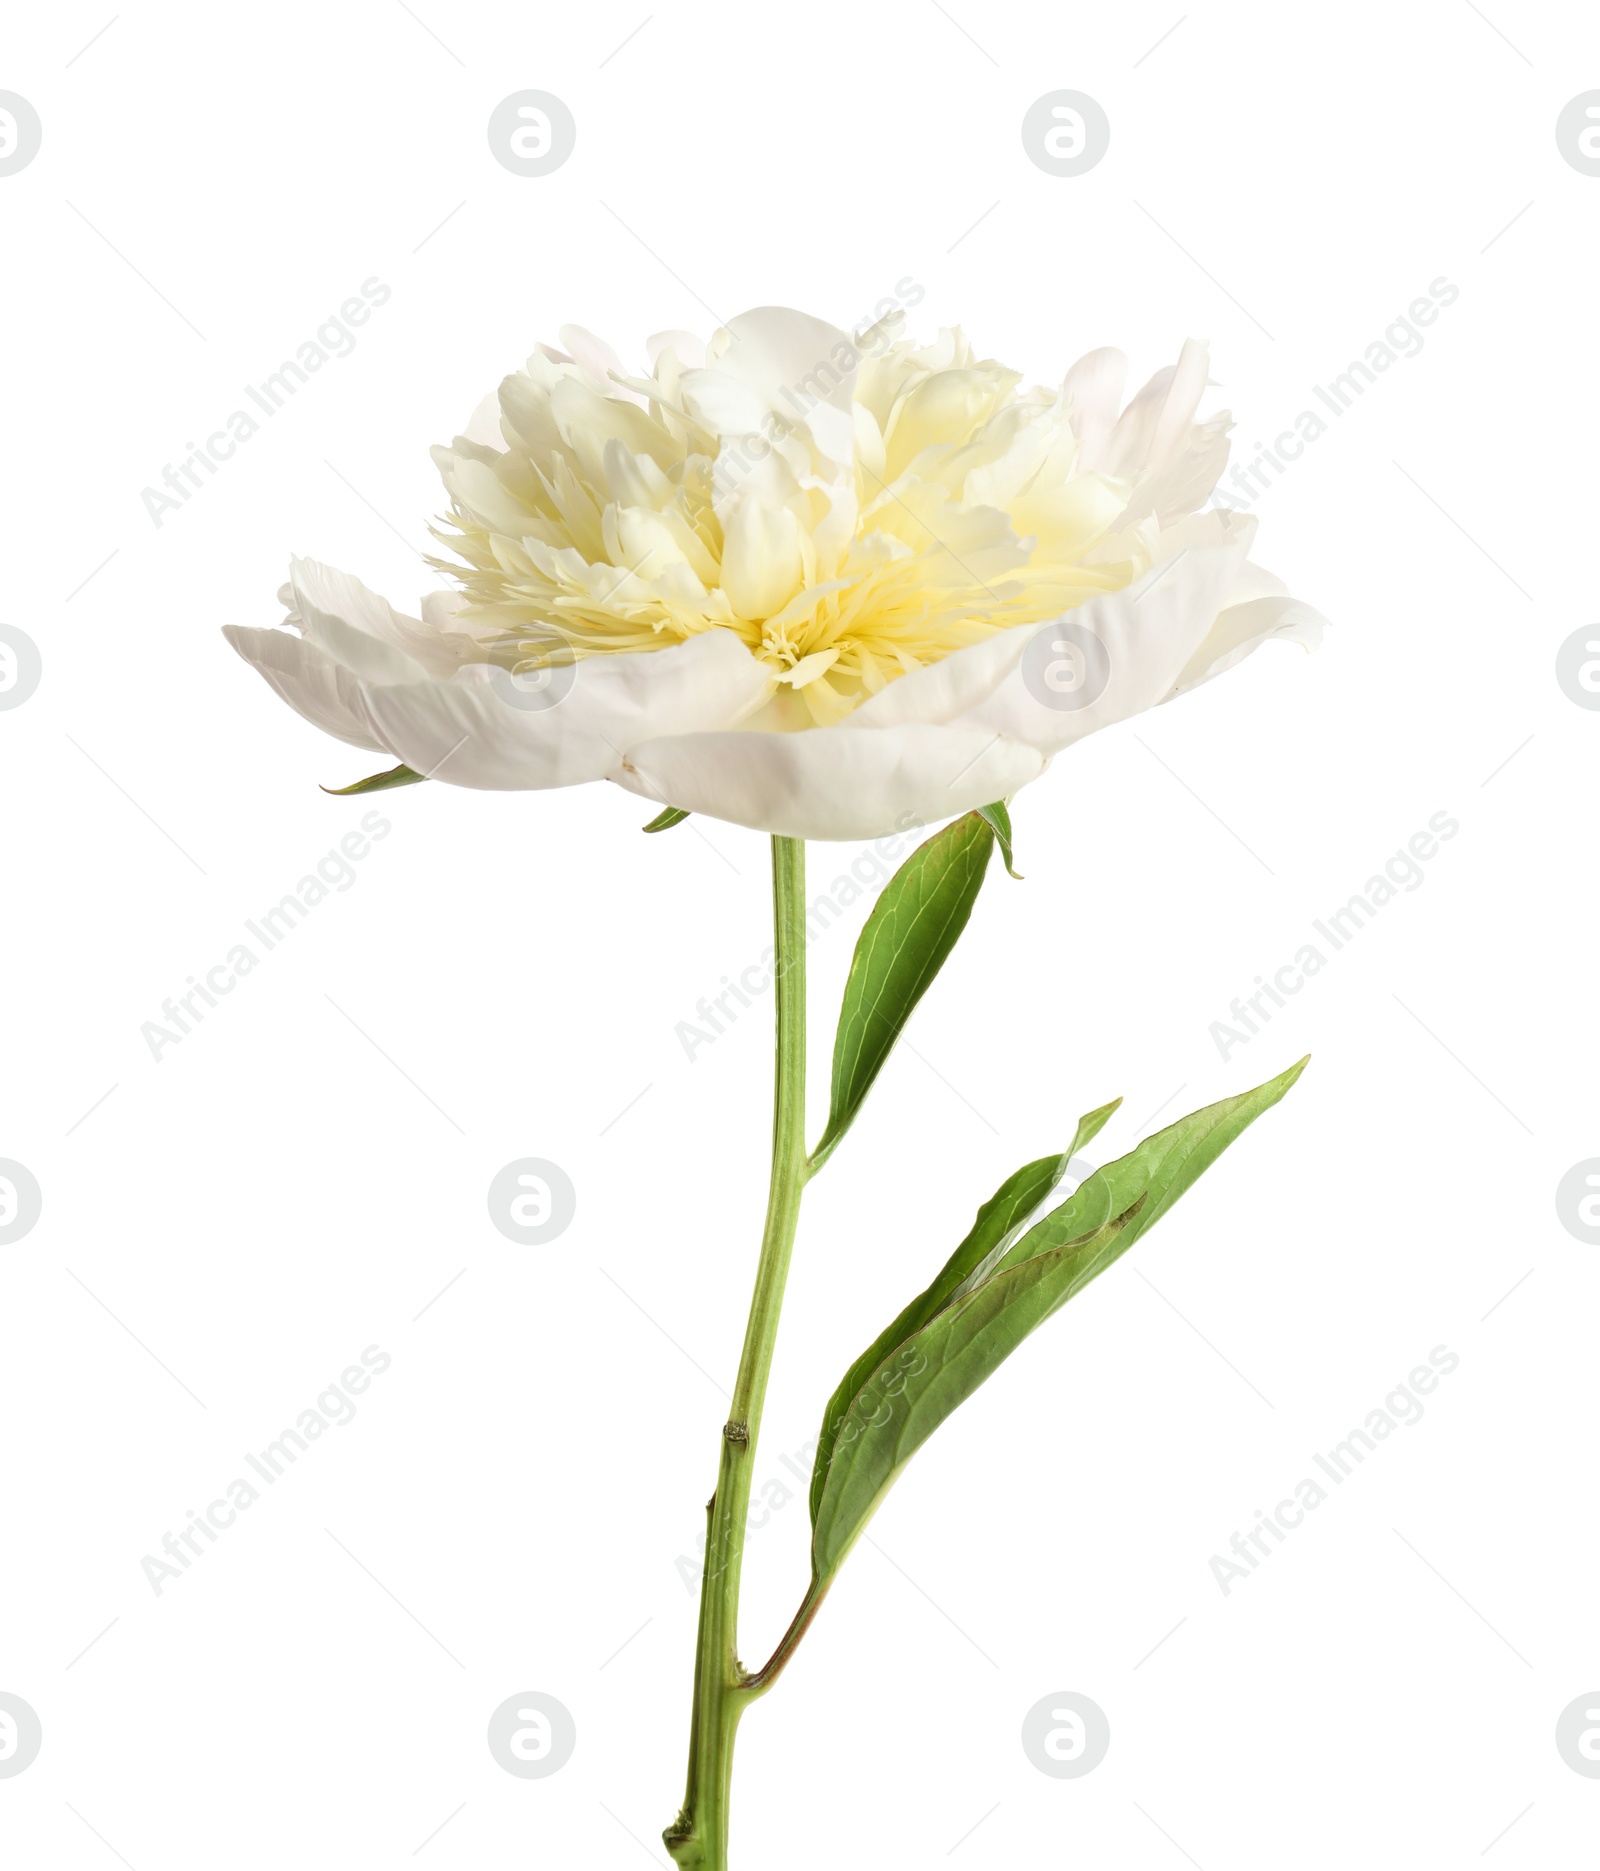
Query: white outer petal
(833, 783)
(1198, 612)
(1241, 627)
(361, 630)
(308, 679)
(467, 733)
(1150, 631)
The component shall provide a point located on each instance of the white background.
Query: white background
(303, 1174)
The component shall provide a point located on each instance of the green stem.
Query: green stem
(722, 1689)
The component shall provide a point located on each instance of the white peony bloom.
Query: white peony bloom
(814, 584)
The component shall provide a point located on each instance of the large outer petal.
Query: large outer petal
(472, 735)
(1239, 629)
(1151, 631)
(308, 679)
(477, 738)
(361, 630)
(832, 782)
(1170, 630)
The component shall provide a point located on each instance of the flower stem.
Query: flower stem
(722, 1689)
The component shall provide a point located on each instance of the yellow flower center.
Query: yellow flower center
(618, 521)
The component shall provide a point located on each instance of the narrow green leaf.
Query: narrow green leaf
(1163, 1166)
(378, 782)
(998, 1224)
(932, 1374)
(664, 821)
(999, 816)
(913, 927)
(921, 1380)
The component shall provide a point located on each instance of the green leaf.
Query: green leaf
(999, 817)
(664, 821)
(378, 782)
(1004, 1297)
(1162, 1167)
(998, 1224)
(913, 927)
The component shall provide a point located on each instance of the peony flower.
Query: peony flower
(815, 584)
